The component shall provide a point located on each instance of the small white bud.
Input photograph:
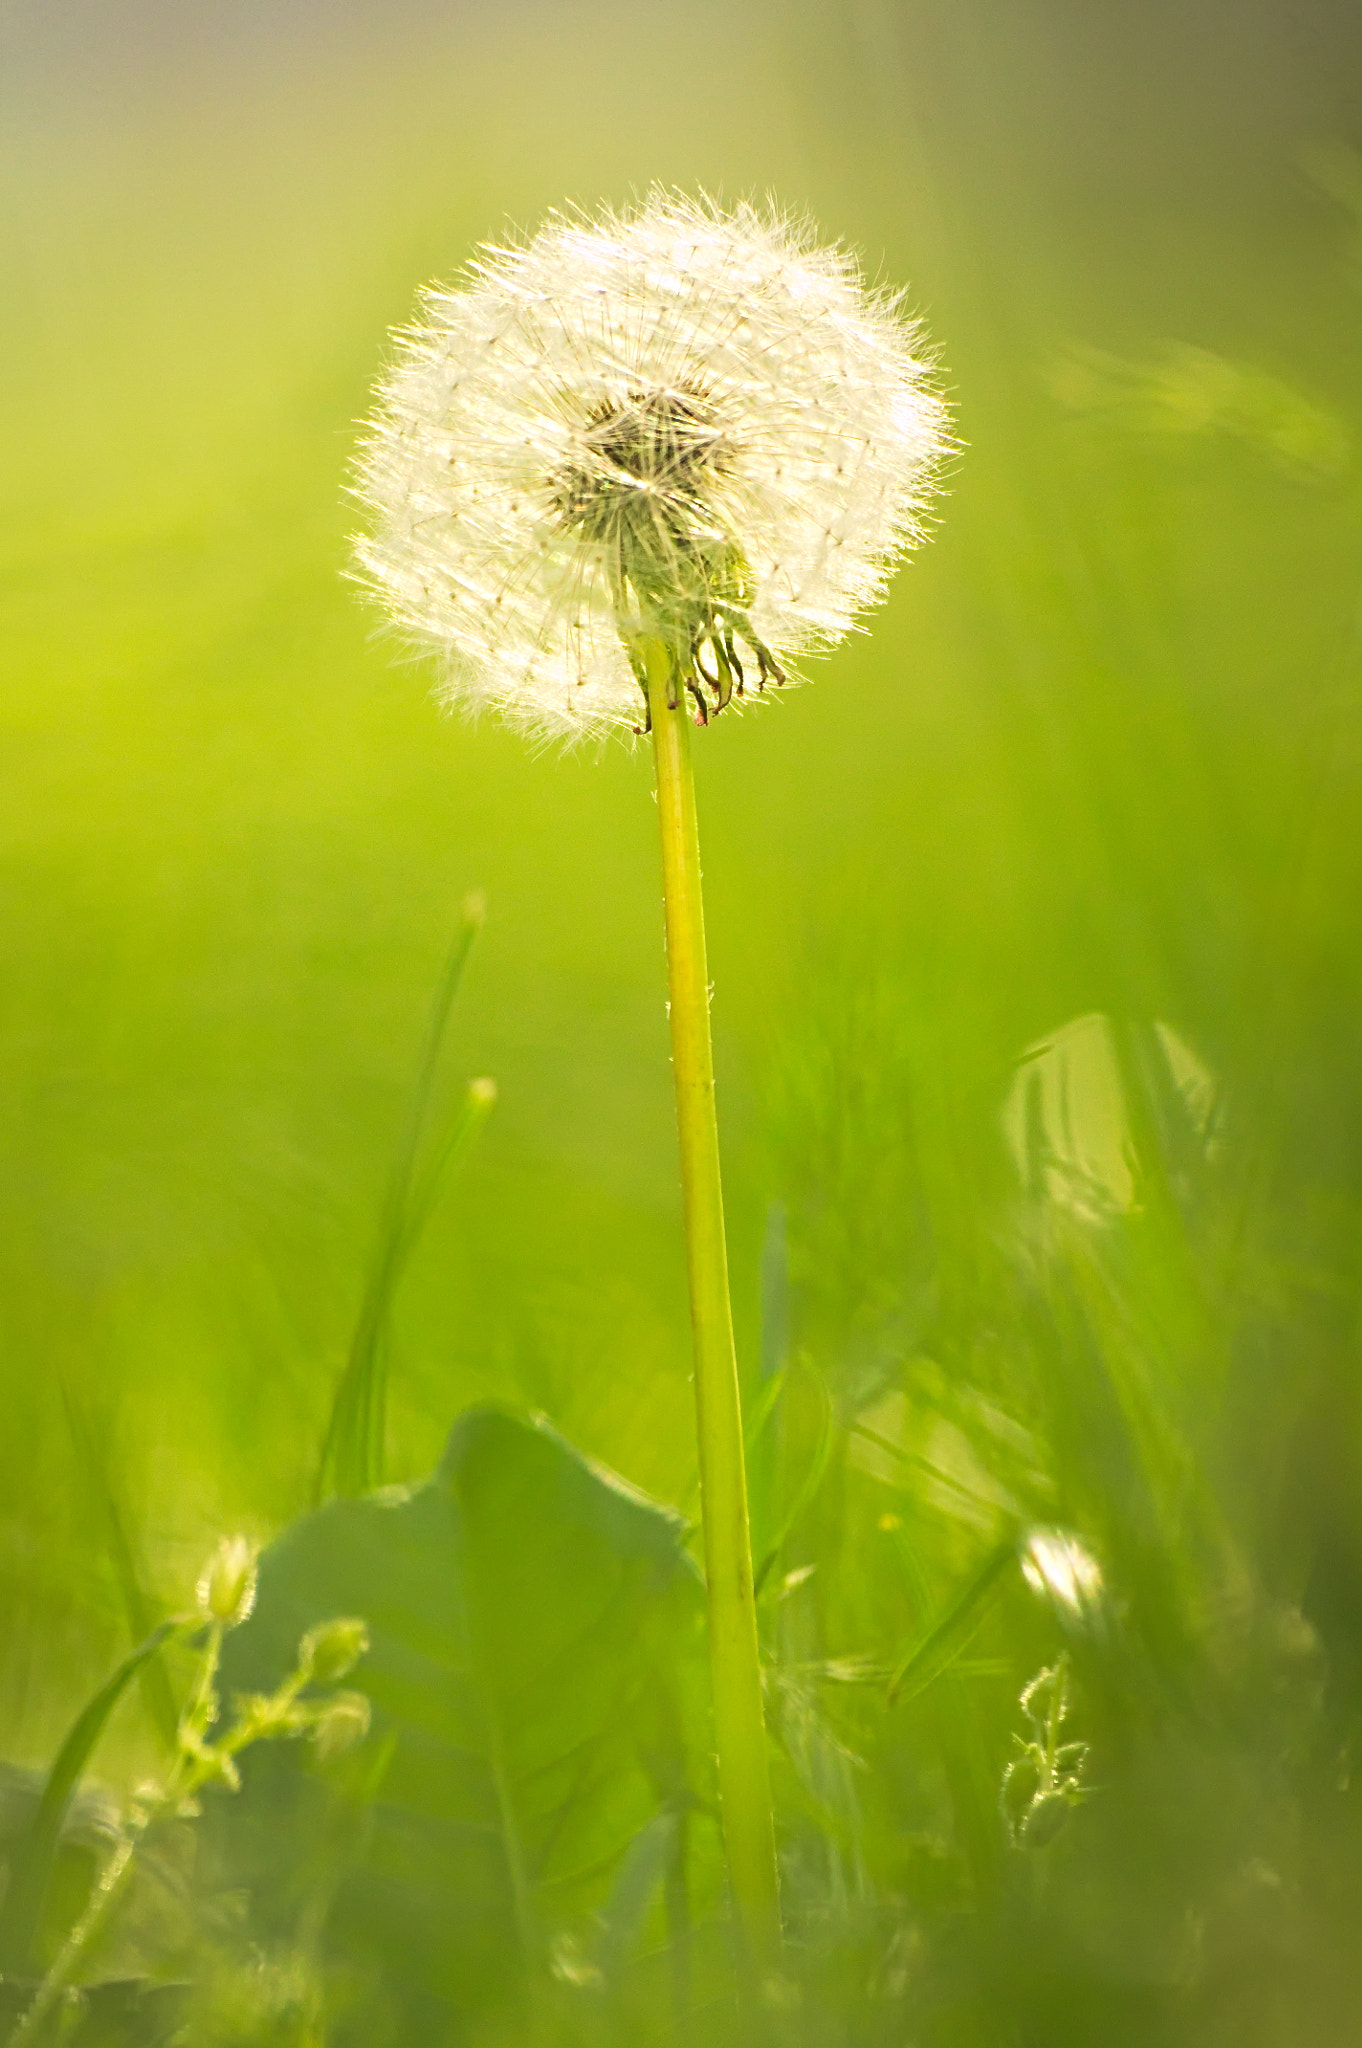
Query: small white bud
(226, 1588)
(333, 1650)
(340, 1724)
(1045, 1818)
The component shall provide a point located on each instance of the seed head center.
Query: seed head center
(649, 458)
(640, 485)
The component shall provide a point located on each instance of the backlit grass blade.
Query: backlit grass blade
(139, 1608)
(813, 1474)
(353, 1449)
(944, 1640)
(22, 1906)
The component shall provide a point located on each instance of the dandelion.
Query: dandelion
(627, 474)
(675, 424)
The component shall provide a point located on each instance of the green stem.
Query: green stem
(190, 1771)
(112, 1881)
(739, 1727)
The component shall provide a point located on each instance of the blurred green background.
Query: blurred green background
(1101, 753)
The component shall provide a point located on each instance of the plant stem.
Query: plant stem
(735, 1665)
(193, 1768)
(112, 1880)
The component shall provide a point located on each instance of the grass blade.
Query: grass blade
(352, 1456)
(813, 1475)
(944, 1640)
(139, 1607)
(22, 1907)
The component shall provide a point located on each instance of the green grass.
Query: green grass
(1098, 757)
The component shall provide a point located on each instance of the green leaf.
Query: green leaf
(537, 1668)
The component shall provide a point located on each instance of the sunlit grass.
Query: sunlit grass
(1099, 761)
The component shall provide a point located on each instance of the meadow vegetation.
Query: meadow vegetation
(1034, 939)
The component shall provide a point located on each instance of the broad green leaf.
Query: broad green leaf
(536, 1673)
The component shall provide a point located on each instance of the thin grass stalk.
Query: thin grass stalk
(352, 1457)
(32, 1856)
(739, 1724)
(91, 1445)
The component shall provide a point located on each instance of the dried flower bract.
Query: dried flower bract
(677, 424)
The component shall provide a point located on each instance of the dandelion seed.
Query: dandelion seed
(676, 423)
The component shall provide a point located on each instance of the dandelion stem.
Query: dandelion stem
(739, 1727)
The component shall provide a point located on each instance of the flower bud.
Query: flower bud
(1045, 1817)
(226, 1588)
(333, 1650)
(340, 1724)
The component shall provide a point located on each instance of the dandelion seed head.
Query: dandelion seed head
(676, 422)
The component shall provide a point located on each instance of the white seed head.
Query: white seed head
(676, 423)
